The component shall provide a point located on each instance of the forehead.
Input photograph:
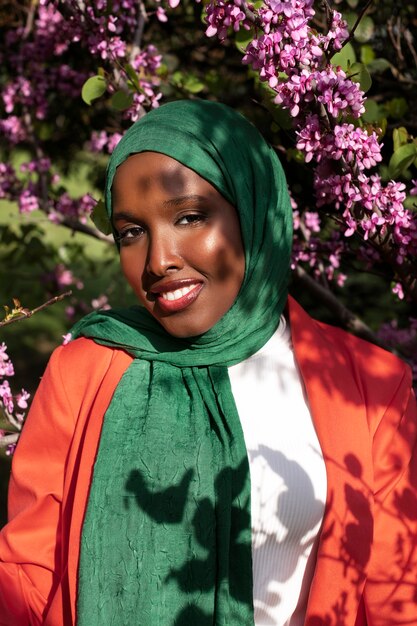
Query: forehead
(151, 170)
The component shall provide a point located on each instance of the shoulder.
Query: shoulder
(83, 364)
(339, 342)
(341, 359)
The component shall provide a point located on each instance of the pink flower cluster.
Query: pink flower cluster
(101, 141)
(77, 209)
(60, 278)
(222, 15)
(293, 58)
(322, 256)
(13, 406)
(59, 30)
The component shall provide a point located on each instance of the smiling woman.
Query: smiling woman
(220, 458)
(180, 244)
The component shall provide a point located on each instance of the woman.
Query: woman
(142, 507)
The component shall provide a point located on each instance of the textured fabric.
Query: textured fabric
(166, 537)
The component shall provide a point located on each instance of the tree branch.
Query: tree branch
(25, 313)
(345, 317)
(86, 230)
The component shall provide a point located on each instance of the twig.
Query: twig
(30, 19)
(137, 39)
(409, 40)
(28, 313)
(86, 229)
(8, 440)
(329, 12)
(396, 41)
(346, 318)
(356, 24)
(250, 15)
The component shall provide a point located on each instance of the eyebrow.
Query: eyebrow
(172, 202)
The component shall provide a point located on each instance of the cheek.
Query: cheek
(132, 268)
(226, 258)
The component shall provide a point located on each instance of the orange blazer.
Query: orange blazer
(365, 415)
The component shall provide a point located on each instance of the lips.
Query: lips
(177, 295)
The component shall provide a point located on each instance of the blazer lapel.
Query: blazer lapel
(338, 410)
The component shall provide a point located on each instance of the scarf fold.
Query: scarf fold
(166, 539)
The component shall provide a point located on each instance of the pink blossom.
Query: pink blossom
(21, 400)
(338, 33)
(13, 129)
(28, 202)
(101, 302)
(66, 339)
(6, 366)
(6, 397)
(398, 291)
(220, 15)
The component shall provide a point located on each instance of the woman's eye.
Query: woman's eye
(127, 235)
(192, 218)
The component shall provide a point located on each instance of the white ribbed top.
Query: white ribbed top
(288, 478)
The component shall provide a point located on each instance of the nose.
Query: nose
(163, 255)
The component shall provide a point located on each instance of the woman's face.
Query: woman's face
(180, 243)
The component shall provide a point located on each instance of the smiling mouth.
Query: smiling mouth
(178, 299)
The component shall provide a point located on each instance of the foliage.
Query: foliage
(330, 84)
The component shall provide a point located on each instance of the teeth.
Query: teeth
(178, 293)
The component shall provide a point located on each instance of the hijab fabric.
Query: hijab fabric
(166, 539)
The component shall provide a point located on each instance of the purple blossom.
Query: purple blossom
(73, 208)
(222, 15)
(8, 181)
(13, 129)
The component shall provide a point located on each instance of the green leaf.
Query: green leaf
(365, 30)
(100, 218)
(402, 159)
(93, 88)
(282, 118)
(353, 3)
(360, 74)
(188, 82)
(397, 108)
(367, 54)
(372, 113)
(243, 37)
(400, 137)
(378, 66)
(121, 100)
(345, 58)
(192, 84)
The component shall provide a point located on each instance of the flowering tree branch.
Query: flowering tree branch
(19, 313)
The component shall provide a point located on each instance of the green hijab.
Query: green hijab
(166, 539)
